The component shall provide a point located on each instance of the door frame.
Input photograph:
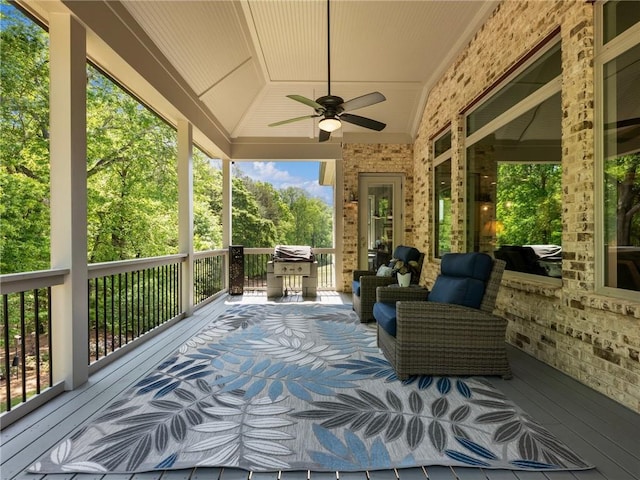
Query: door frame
(365, 181)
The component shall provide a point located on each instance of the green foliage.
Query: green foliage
(622, 200)
(249, 227)
(529, 204)
(131, 176)
(312, 219)
(24, 144)
(207, 203)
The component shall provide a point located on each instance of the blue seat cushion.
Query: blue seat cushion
(462, 280)
(355, 287)
(385, 315)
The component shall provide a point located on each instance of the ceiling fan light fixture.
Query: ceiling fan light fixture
(329, 124)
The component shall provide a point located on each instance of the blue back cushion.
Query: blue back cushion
(406, 254)
(462, 279)
(355, 287)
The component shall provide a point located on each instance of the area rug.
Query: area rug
(302, 387)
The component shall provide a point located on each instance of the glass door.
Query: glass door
(380, 219)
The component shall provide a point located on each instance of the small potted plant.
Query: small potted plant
(404, 270)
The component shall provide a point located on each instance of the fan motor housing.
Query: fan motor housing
(331, 103)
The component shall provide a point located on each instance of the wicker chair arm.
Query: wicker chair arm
(361, 273)
(369, 283)
(394, 294)
(415, 320)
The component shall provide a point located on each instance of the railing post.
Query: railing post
(185, 211)
(69, 199)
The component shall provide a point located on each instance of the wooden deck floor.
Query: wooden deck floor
(600, 430)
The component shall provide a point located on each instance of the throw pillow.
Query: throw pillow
(384, 271)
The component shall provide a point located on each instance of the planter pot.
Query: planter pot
(404, 279)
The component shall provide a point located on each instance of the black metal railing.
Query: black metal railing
(208, 274)
(255, 270)
(26, 367)
(124, 305)
(326, 270)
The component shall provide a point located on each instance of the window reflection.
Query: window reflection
(622, 170)
(514, 191)
(442, 208)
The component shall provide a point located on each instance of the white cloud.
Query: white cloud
(276, 174)
(267, 171)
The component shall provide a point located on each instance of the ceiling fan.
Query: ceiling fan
(333, 109)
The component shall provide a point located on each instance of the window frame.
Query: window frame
(437, 161)
(604, 53)
(545, 92)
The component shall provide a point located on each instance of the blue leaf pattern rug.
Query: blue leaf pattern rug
(302, 387)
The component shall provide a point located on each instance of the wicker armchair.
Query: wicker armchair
(430, 337)
(365, 282)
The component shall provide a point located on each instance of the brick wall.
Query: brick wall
(589, 336)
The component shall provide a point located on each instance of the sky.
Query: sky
(289, 174)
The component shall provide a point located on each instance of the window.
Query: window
(514, 171)
(442, 195)
(540, 73)
(621, 150)
(619, 16)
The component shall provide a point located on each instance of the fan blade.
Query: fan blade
(307, 101)
(324, 136)
(363, 101)
(291, 120)
(363, 121)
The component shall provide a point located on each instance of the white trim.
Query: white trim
(97, 270)
(599, 277)
(605, 53)
(21, 282)
(613, 48)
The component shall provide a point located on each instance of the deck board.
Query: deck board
(440, 473)
(470, 474)
(594, 426)
(607, 444)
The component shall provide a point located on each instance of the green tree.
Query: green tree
(312, 219)
(131, 176)
(207, 203)
(249, 227)
(272, 207)
(529, 204)
(622, 204)
(24, 144)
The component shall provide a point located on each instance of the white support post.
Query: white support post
(226, 213)
(68, 143)
(185, 210)
(338, 224)
(226, 203)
